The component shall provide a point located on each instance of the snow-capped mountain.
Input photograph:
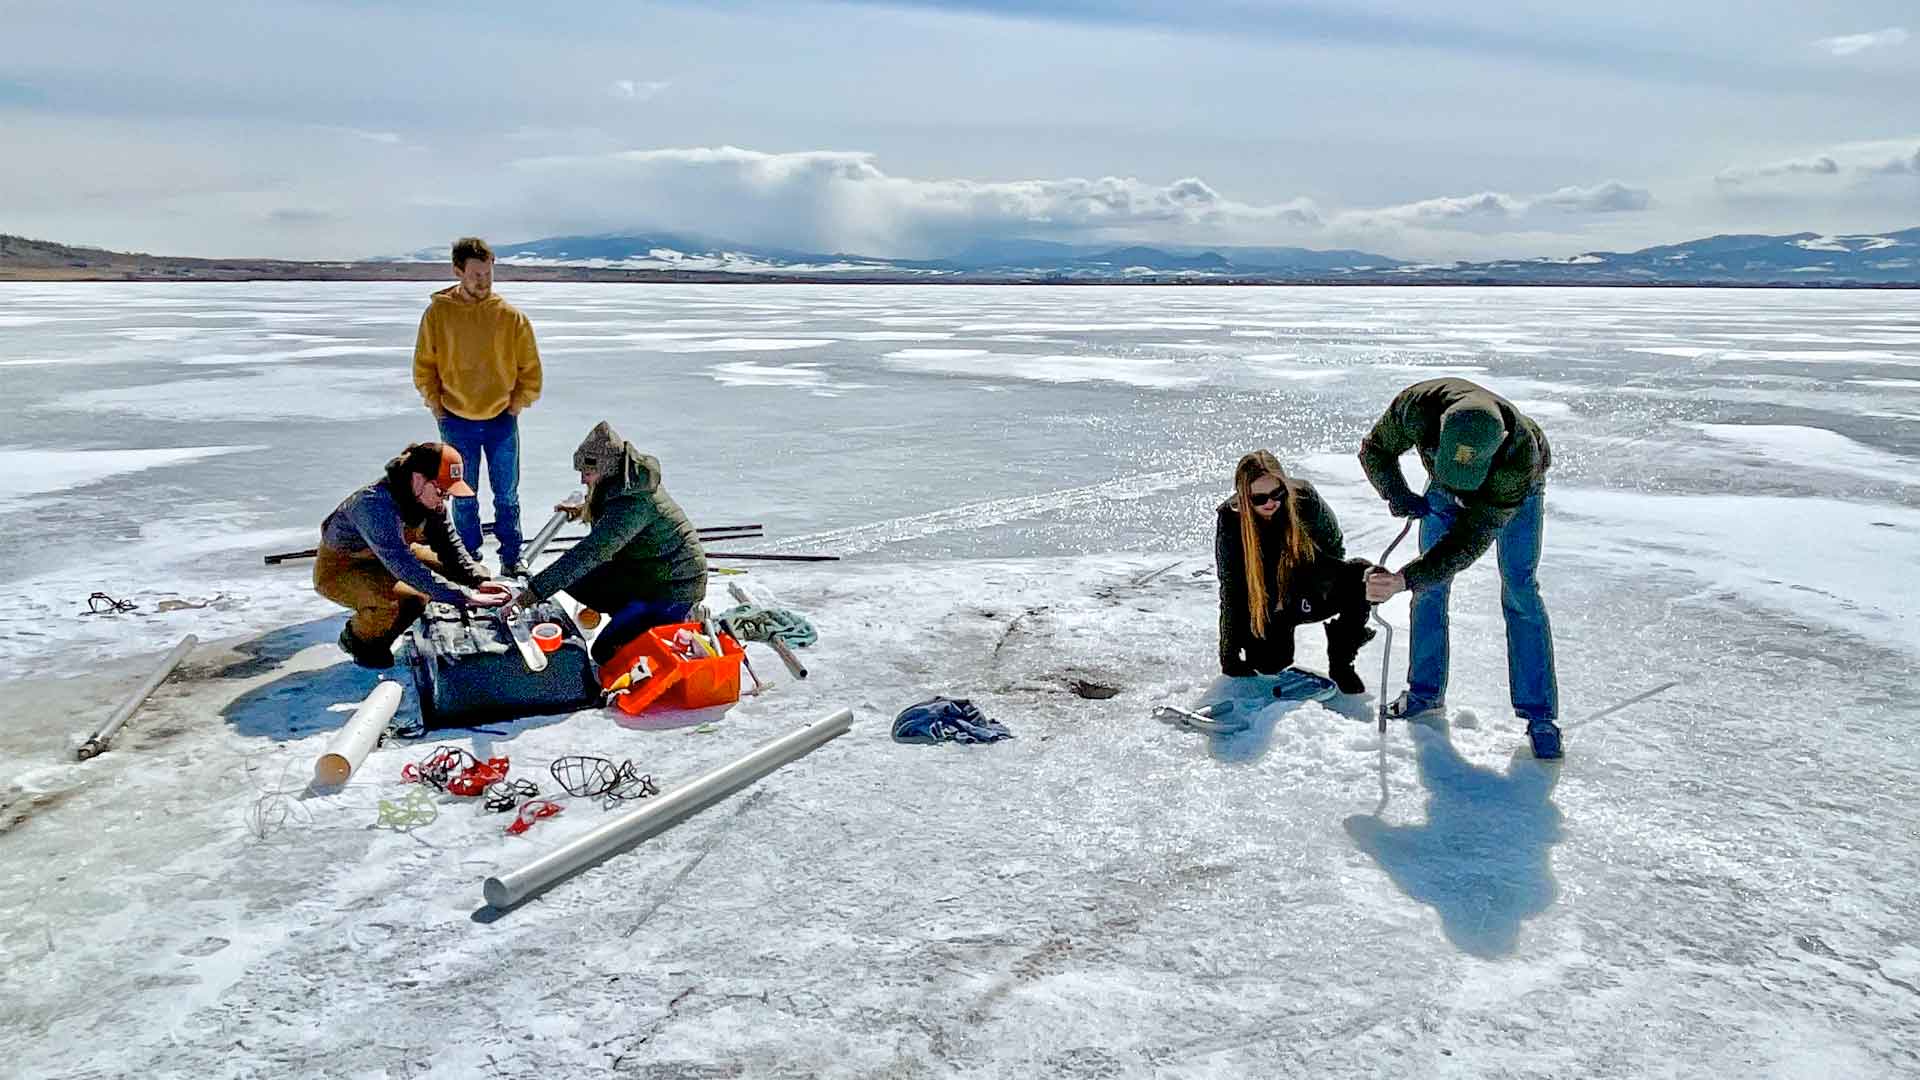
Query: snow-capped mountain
(989, 260)
(1797, 258)
(1805, 257)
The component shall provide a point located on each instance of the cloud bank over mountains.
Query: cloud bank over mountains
(827, 200)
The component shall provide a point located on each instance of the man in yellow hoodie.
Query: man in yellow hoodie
(476, 366)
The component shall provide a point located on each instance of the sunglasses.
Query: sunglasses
(1262, 498)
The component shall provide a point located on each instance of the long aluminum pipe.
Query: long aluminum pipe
(661, 812)
(547, 532)
(102, 736)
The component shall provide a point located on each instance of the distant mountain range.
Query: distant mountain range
(1799, 259)
(990, 259)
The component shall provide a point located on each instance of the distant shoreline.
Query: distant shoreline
(161, 269)
(26, 260)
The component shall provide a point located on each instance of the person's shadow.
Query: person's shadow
(1255, 702)
(301, 703)
(304, 702)
(1482, 858)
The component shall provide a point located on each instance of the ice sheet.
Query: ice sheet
(1715, 881)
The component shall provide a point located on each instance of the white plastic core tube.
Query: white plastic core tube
(661, 812)
(351, 743)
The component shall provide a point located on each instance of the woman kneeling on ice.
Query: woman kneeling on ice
(642, 563)
(1282, 562)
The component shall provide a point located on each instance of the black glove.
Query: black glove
(1408, 506)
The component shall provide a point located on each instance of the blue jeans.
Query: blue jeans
(498, 440)
(1530, 678)
(633, 620)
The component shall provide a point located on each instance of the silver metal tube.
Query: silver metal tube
(1386, 657)
(102, 736)
(1386, 646)
(661, 812)
(547, 532)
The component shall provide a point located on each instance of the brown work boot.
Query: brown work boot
(368, 654)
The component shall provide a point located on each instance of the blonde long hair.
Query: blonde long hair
(1295, 549)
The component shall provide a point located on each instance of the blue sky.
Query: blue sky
(1422, 130)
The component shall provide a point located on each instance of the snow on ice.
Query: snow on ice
(1716, 882)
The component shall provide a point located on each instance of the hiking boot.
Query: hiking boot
(1344, 642)
(1405, 708)
(367, 654)
(1545, 736)
(515, 569)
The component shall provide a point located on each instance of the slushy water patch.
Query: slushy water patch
(27, 472)
(1142, 371)
(739, 344)
(1795, 448)
(281, 393)
(1815, 557)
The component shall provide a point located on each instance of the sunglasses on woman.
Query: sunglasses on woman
(1262, 498)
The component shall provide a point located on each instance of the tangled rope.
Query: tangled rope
(756, 622)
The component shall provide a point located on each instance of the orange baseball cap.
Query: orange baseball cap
(441, 464)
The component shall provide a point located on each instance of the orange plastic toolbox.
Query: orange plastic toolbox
(676, 682)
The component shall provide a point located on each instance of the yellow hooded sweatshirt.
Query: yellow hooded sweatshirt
(474, 359)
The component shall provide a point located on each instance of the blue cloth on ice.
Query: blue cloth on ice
(942, 719)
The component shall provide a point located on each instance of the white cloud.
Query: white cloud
(1818, 165)
(1612, 197)
(1447, 209)
(1849, 44)
(1846, 163)
(630, 90)
(384, 138)
(838, 200)
(1899, 166)
(1497, 210)
(300, 216)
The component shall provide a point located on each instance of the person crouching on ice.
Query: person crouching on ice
(373, 560)
(1282, 562)
(642, 563)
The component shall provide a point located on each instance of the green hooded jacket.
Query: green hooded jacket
(641, 547)
(1519, 469)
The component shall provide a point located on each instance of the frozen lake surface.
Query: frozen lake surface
(1717, 881)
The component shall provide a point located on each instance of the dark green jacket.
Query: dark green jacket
(1312, 582)
(641, 547)
(1518, 471)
